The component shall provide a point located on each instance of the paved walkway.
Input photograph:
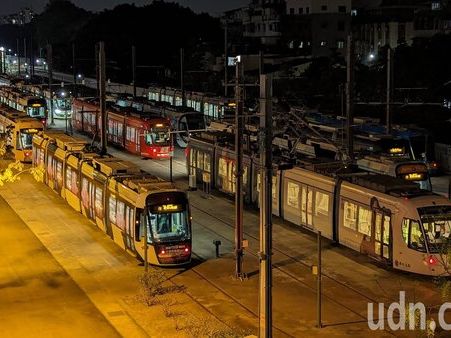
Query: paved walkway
(37, 296)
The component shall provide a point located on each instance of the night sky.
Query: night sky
(214, 7)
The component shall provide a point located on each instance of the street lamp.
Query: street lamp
(2, 59)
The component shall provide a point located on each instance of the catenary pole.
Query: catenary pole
(238, 173)
(102, 76)
(134, 70)
(388, 112)
(50, 75)
(265, 294)
(350, 97)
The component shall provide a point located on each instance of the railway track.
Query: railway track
(280, 262)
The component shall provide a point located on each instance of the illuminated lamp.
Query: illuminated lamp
(432, 260)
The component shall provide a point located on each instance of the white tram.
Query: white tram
(384, 217)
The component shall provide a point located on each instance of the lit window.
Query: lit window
(340, 44)
(321, 204)
(354, 12)
(323, 43)
(112, 209)
(416, 240)
(405, 230)
(200, 160)
(293, 195)
(364, 223)
(435, 5)
(350, 215)
(207, 166)
(222, 167)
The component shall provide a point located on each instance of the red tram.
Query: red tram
(139, 133)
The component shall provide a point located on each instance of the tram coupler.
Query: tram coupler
(217, 243)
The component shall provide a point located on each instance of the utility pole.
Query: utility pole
(31, 55)
(25, 54)
(350, 97)
(388, 117)
(134, 70)
(18, 56)
(226, 63)
(74, 70)
(50, 75)
(182, 88)
(265, 299)
(96, 58)
(239, 172)
(101, 81)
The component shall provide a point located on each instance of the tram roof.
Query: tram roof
(386, 184)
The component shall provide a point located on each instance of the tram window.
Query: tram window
(69, 178)
(99, 202)
(405, 230)
(222, 167)
(200, 160)
(321, 204)
(274, 188)
(364, 221)
(350, 215)
(149, 139)
(416, 240)
(120, 215)
(293, 195)
(112, 209)
(244, 175)
(192, 158)
(59, 173)
(207, 164)
(85, 192)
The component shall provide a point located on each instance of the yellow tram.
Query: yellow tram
(123, 201)
(18, 129)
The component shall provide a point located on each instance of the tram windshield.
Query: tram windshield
(63, 104)
(36, 111)
(169, 226)
(158, 136)
(436, 221)
(25, 139)
(194, 122)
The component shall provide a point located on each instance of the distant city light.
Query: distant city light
(2, 49)
(371, 56)
(38, 61)
(79, 76)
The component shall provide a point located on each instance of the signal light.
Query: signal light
(162, 252)
(27, 154)
(187, 249)
(432, 260)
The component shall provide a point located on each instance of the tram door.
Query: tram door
(382, 234)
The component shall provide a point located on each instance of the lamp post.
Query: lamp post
(2, 60)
